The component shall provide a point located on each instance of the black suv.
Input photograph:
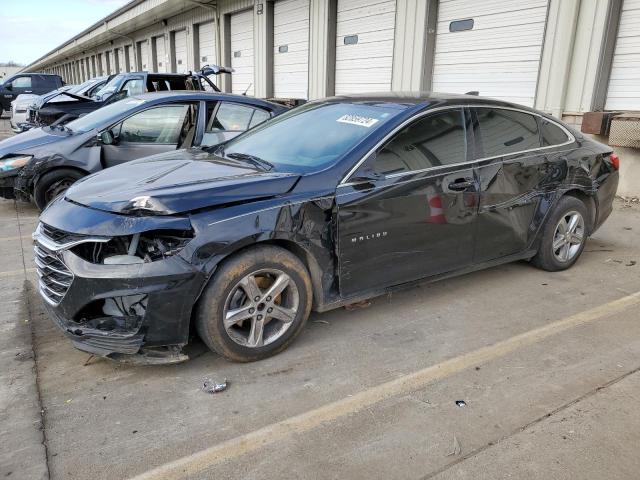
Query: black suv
(36, 83)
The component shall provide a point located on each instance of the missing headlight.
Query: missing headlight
(139, 248)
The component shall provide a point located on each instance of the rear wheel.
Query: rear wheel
(564, 236)
(255, 305)
(53, 184)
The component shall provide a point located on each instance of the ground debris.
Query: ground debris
(209, 386)
(461, 403)
(457, 448)
(324, 322)
(631, 263)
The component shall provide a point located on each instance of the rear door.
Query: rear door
(226, 120)
(148, 132)
(417, 218)
(511, 169)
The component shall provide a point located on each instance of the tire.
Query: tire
(269, 267)
(555, 259)
(52, 184)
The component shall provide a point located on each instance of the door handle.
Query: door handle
(460, 185)
(28, 91)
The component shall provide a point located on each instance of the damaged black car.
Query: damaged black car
(328, 204)
(41, 164)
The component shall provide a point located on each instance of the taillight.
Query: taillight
(614, 160)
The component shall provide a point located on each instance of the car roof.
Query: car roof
(158, 97)
(424, 98)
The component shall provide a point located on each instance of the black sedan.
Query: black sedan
(41, 164)
(328, 204)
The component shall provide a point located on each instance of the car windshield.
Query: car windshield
(313, 136)
(103, 115)
(109, 87)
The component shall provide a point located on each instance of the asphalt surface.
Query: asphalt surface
(546, 364)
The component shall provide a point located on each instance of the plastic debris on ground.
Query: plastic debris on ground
(209, 386)
(461, 403)
(457, 448)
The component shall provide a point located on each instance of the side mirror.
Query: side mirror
(106, 137)
(8, 86)
(365, 179)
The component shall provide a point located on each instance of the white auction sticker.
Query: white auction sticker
(357, 120)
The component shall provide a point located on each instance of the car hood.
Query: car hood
(28, 140)
(177, 182)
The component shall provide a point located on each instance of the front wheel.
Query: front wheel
(52, 184)
(255, 305)
(564, 236)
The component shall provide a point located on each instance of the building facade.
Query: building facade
(565, 57)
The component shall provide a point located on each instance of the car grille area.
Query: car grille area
(54, 278)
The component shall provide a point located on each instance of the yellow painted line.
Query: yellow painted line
(13, 273)
(235, 447)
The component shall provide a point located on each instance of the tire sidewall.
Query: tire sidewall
(46, 180)
(565, 205)
(210, 310)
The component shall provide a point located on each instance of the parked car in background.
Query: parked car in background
(329, 204)
(121, 86)
(24, 106)
(42, 163)
(35, 83)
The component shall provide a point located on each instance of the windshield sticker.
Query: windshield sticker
(358, 120)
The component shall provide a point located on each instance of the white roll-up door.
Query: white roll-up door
(161, 60)
(143, 54)
(207, 44)
(624, 82)
(131, 57)
(180, 45)
(121, 60)
(492, 47)
(291, 49)
(242, 52)
(364, 45)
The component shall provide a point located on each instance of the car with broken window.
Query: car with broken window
(121, 86)
(326, 205)
(42, 163)
(23, 108)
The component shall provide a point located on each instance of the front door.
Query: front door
(409, 211)
(155, 130)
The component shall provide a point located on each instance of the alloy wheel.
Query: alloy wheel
(260, 308)
(569, 236)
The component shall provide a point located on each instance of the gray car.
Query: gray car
(42, 163)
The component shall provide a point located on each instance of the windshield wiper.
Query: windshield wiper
(257, 161)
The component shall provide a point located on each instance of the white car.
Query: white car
(18, 112)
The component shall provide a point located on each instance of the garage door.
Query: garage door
(180, 42)
(364, 45)
(143, 56)
(242, 52)
(624, 82)
(207, 44)
(161, 62)
(291, 49)
(492, 47)
(131, 58)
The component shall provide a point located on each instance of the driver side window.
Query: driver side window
(435, 140)
(21, 82)
(161, 125)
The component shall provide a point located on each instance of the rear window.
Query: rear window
(552, 134)
(502, 131)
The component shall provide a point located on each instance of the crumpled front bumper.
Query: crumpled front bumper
(171, 286)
